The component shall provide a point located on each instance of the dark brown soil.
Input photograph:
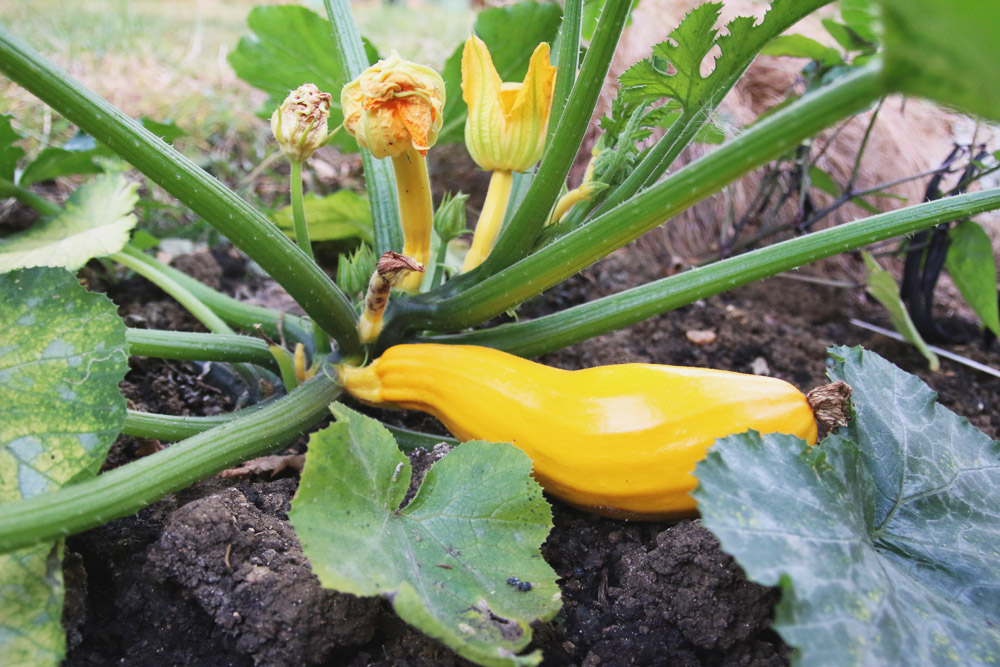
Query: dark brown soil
(215, 576)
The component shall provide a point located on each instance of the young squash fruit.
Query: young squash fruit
(620, 441)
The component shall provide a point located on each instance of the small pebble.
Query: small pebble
(700, 337)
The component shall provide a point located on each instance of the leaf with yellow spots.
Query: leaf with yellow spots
(62, 354)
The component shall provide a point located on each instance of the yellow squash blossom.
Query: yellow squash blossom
(394, 109)
(507, 122)
(395, 105)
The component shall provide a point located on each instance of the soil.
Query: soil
(214, 575)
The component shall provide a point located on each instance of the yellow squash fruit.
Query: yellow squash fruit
(620, 441)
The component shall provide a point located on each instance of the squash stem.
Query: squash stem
(125, 490)
(491, 219)
(416, 212)
(298, 211)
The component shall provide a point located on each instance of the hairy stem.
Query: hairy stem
(298, 211)
(610, 313)
(203, 194)
(127, 489)
(764, 141)
(189, 346)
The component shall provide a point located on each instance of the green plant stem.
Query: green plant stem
(298, 211)
(569, 60)
(379, 179)
(127, 489)
(518, 236)
(28, 198)
(171, 429)
(437, 268)
(764, 141)
(610, 313)
(128, 258)
(188, 346)
(238, 314)
(205, 195)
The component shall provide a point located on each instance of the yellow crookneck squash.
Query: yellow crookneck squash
(621, 440)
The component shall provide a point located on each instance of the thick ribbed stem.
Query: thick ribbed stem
(125, 490)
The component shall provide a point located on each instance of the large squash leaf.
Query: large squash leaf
(945, 51)
(290, 46)
(96, 222)
(883, 539)
(443, 560)
(62, 354)
(341, 215)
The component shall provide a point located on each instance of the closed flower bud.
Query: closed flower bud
(395, 105)
(507, 121)
(299, 124)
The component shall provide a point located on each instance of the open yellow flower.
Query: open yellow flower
(507, 121)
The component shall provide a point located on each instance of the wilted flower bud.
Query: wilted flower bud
(395, 105)
(299, 124)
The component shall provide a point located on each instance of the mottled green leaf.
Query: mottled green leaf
(341, 215)
(96, 222)
(883, 287)
(444, 559)
(62, 354)
(945, 51)
(511, 34)
(970, 264)
(290, 46)
(883, 539)
(9, 153)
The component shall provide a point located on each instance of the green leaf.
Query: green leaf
(883, 539)
(55, 162)
(167, 131)
(290, 46)
(970, 264)
(689, 45)
(823, 181)
(341, 215)
(883, 287)
(95, 223)
(591, 12)
(443, 560)
(62, 354)
(511, 34)
(945, 51)
(9, 153)
(800, 46)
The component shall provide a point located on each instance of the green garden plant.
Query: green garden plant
(63, 349)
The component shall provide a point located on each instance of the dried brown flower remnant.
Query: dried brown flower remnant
(831, 404)
(392, 267)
